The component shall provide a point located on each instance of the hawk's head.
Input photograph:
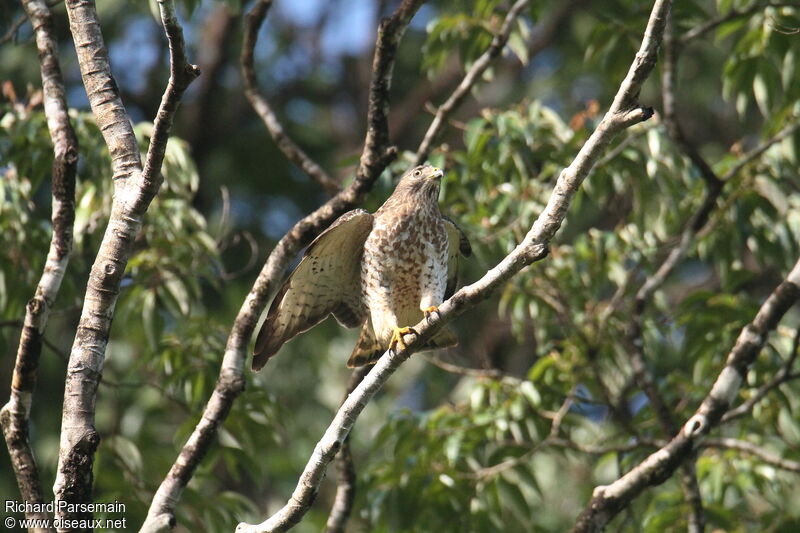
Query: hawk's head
(421, 181)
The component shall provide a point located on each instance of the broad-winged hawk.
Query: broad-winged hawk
(382, 272)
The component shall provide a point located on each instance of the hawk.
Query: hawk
(383, 272)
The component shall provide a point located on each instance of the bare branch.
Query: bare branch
(230, 382)
(471, 77)
(13, 29)
(607, 501)
(553, 441)
(491, 373)
(181, 74)
(290, 149)
(624, 112)
(544, 33)
(17, 24)
(14, 415)
(134, 190)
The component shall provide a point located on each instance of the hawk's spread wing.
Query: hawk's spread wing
(327, 280)
(457, 241)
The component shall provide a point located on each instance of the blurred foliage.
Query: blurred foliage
(440, 449)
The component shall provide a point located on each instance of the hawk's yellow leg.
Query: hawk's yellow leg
(397, 337)
(428, 311)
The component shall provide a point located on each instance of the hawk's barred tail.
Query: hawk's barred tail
(267, 344)
(368, 349)
(444, 338)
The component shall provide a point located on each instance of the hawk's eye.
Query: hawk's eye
(417, 173)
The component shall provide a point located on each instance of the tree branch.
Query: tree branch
(15, 414)
(230, 382)
(607, 501)
(290, 149)
(134, 190)
(473, 74)
(13, 29)
(624, 112)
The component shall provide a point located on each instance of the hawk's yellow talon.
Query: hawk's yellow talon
(428, 311)
(397, 337)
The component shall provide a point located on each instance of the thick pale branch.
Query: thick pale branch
(134, 190)
(624, 112)
(14, 415)
(231, 379)
(473, 74)
(290, 149)
(609, 500)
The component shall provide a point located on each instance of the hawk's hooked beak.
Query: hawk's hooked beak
(437, 174)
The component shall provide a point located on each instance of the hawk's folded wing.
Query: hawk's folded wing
(457, 242)
(327, 280)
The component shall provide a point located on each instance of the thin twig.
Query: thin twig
(717, 21)
(553, 441)
(624, 112)
(15, 414)
(473, 74)
(754, 450)
(625, 143)
(696, 223)
(17, 24)
(290, 149)
(13, 29)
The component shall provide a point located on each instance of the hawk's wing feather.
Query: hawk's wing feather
(326, 281)
(457, 242)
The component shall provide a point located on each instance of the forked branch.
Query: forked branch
(134, 190)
